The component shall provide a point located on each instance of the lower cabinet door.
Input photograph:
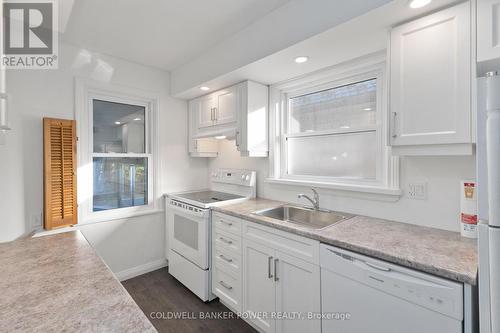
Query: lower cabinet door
(298, 294)
(259, 297)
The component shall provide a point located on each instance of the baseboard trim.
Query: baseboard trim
(141, 269)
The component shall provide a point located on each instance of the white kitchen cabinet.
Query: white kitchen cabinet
(252, 132)
(205, 107)
(276, 282)
(488, 35)
(259, 289)
(297, 290)
(203, 147)
(216, 109)
(430, 84)
(227, 106)
(239, 113)
(227, 260)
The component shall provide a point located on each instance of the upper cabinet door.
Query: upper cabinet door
(206, 111)
(227, 106)
(430, 97)
(488, 30)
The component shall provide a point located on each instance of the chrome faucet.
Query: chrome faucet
(314, 202)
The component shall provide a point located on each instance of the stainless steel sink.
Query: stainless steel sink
(316, 219)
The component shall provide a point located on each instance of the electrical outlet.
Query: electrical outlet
(417, 191)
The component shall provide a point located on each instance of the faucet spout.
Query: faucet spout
(314, 202)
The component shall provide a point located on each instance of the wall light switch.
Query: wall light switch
(417, 191)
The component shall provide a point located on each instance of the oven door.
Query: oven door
(188, 232)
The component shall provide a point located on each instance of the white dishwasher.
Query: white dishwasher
(361, 294)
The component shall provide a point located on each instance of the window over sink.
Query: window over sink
(331, 130)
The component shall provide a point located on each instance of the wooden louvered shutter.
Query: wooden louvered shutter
(60, 204)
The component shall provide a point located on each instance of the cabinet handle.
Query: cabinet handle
(195, 144)
(228, 287)
(269, 262)
(276, 278)
(226, 223)
(394, 116)
(224, 258)
(212, 114)
(215, 114)
(238, 140)
(225, 240)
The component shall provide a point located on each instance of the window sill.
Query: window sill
(119, 216)
(384, 193)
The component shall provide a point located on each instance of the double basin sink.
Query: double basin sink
(307, 217)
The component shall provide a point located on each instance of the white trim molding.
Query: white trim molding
(386, 183)
(141, 269)
(85, 91)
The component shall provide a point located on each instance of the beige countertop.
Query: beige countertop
(58, 283)
(439, 252)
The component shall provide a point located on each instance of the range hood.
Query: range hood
(228, 133)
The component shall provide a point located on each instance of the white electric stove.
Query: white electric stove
(189, 224)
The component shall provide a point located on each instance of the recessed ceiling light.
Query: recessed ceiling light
(419, 3)
(137, 119)
(220, 137)
(367, 109)
(301, 59)
(204, 88)
(117, 123)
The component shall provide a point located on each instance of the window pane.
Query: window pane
(118, 128)
(352, 155)
(120, 182)
(348, 106)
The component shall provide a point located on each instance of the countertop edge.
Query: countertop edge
(450, 275)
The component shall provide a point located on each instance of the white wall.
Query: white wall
(123, 244)
(440, 210)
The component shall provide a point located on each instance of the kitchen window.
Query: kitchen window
(120, 156)
(330, 131)
(117, 169)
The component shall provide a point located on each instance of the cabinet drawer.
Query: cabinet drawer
(226, 241)
(227, 288)
(227, 223)
(228, 261)
(297, 246)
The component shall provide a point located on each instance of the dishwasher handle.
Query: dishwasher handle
(380, 268)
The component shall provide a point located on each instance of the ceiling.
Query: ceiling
(364, 35)
(158, 33)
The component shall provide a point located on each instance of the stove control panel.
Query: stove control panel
(234, 176)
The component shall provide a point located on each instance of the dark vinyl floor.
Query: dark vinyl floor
(160, 295)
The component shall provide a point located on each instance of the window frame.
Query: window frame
(387, 166)
(87, 92)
